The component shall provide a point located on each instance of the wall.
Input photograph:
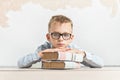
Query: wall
(23, 25)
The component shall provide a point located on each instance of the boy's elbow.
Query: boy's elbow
(19, 65)
(22, 65)
(98, 65)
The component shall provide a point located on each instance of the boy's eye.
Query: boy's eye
(66, 34)
(56, 35)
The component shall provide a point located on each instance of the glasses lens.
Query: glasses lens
(66, 36)
(55, 35)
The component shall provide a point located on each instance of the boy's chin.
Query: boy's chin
(60, 47)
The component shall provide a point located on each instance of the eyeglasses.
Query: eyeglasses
(56, 35)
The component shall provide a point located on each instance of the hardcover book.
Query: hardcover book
(61, 60)
(62, 56)
(59, 65)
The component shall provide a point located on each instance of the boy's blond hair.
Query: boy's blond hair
(59, 19)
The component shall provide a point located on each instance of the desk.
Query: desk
(105, 73)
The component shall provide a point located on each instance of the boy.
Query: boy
(59, 38)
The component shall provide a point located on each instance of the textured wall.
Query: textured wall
(23, 24)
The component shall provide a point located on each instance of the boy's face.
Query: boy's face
(60, 35)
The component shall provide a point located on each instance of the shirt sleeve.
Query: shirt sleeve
(92, 60)
(28, 60)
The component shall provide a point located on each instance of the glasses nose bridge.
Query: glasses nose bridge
(61, 36)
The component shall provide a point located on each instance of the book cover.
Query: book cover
(62, 56)
(60, 65)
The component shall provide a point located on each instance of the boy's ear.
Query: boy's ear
(72, 37)
(48, 37)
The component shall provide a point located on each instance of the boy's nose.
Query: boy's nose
(61, 38)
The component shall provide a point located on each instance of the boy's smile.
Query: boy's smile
(61, 35)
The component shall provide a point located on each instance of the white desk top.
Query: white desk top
(39, 69)
(105, 73)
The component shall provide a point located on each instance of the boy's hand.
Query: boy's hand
(63, 50)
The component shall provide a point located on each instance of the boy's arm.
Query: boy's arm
(28, 60)
(92, 61)
(89, 59)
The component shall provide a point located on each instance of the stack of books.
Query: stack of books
(61, 60)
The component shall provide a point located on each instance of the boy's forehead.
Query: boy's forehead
(66, 27)
(54, 24)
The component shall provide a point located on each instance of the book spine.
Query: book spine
(59, 65)
(62, 56)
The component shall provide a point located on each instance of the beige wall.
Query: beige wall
(7, 5)
(24, 22)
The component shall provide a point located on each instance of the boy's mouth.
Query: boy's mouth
(60, 44)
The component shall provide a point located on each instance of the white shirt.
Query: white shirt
(89, 60)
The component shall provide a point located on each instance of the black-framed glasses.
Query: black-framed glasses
(56, 35)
